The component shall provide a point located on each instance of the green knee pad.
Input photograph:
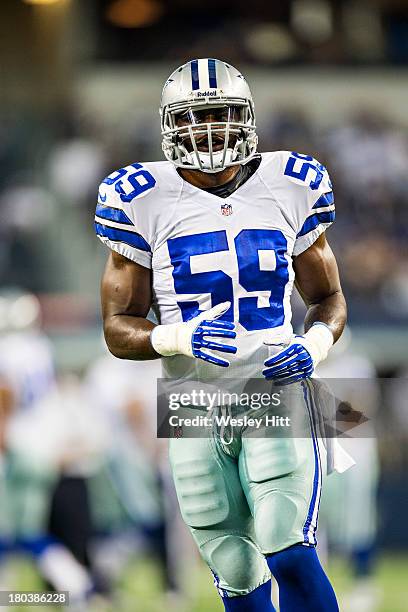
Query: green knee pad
(213, 505)
(279, 519)
(237, 563)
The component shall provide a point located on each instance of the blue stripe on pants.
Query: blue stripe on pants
(317, 475)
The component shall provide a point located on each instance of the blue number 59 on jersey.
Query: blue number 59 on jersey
(131, 185)
(247, 246)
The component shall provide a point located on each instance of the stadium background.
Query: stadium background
(81, 81)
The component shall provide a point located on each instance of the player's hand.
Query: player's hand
(291, 364)
(194, 338)
(300, 357)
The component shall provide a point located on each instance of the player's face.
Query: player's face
(215, 115)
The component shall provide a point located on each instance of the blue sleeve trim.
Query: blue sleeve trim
(314, 220)
(325, 200)
(117, 235)
(112, 214)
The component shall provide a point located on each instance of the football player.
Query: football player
(355, 492)
(30, 454)
(213, 240)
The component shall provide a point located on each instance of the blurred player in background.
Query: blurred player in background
(349, 500)
(134, 506)
(31, 436)
(213, 239)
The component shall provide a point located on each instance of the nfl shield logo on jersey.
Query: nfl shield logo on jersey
(226, 209)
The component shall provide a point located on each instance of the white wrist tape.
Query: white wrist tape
(172, 339)
(319, 339)
(175, 338)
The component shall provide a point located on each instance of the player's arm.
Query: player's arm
(126, 294)
(317, 279)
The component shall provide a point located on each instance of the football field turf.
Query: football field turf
(139, 587)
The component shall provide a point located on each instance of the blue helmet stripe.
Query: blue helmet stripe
(194, 74)
(212, 74)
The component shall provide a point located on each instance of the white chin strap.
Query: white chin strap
(205, 158)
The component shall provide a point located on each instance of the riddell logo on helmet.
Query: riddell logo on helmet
(207, 94)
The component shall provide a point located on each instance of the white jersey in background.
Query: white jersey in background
(123, 394)
(204, 250)
(112, 384)
(352, 377)
(27, 367)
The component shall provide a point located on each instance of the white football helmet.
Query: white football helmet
(207, 117)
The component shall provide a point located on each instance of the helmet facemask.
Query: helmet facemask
(209, 136)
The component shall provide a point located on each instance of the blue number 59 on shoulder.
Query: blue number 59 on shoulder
(130, 185)
(298, 166)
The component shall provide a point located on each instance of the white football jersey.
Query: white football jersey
(204, 249)
(112, 383)
(27, 367)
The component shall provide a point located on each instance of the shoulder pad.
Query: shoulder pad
(306, 171)
(126, 184)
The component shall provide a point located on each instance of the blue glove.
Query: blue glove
(214, 329)
(291, 364)
(299, 359)
(193, 338)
